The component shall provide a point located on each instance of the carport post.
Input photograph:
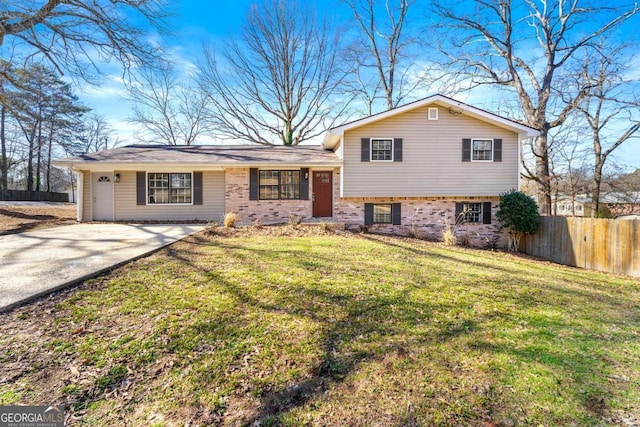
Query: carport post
(79, 197)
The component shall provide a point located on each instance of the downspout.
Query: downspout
(519, 162)
(80, 197)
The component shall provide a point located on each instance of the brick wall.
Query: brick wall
(421, 216)
(425, 217)
(266, 211)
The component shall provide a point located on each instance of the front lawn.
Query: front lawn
(331, 330)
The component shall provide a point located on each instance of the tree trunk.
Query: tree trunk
(597, 176)
(543, 182)
(39, 158)
(30, 161)
(49, 149)
(4, 163)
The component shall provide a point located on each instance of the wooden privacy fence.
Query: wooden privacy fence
(598, 244)
(33, 196)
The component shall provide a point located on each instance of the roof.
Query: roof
(621, 197)
(218, 155)
(333, 135)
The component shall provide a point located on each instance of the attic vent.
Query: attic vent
(433, 113)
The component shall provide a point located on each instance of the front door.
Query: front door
(103, 196)
(322, 194)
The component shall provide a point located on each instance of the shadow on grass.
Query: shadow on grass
(365, 323)
(21, 215)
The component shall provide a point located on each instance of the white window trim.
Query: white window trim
(146, 194)
(371, 150)
(390, 214)
(480, 213)
(432, 109)
(492, 149)
(285, 169)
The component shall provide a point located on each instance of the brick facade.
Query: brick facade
(423, 217)
(264, 211)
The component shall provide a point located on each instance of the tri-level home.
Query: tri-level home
(418, 168)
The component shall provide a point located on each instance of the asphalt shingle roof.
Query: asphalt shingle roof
(210, 154)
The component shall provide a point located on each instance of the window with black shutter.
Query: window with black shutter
(383, 213)
(381, 149)
(481, 150)
(279, 184)
(473, 213)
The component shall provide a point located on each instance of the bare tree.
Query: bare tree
(93, 134)
(568, 162)
(276, 83)
(383, 64)
(611, 108)
(492, 42)
(170, 111)
(70, 34)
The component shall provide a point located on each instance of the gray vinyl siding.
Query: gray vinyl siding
(431, 159)
(212, 208)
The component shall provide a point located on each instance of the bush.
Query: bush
(230, 219)
(449, 237)
(604, 212)
(519, 214)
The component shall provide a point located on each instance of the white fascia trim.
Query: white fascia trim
(333, 135)
(182, 167)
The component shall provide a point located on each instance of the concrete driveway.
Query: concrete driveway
(38, 262)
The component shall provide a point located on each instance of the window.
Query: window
(168, 188)
(381, 150)
(433, 113)
(472, 213)
(482, 149)
(382, 214)
(269, 185)
(276, 185)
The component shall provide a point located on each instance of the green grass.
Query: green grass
(332, 330)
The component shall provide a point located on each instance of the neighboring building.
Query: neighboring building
(621, 203)
(571, 206)
(414, 169)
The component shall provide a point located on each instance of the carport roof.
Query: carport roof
(223, 155)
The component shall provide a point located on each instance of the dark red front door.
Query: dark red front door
(322, 194)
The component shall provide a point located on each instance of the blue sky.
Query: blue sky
(196, 22)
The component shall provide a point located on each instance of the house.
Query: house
(579, 205)
(416, 169)
(620, 203)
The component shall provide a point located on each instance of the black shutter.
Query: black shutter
(497, 150)
(368, 213)
(364, 149)
(486, 213)
(396, 213)
(197, 188)
(466, 150)
(254, 186)
(397, 149)
(459, 207)
(304, 184)
(141, 188)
